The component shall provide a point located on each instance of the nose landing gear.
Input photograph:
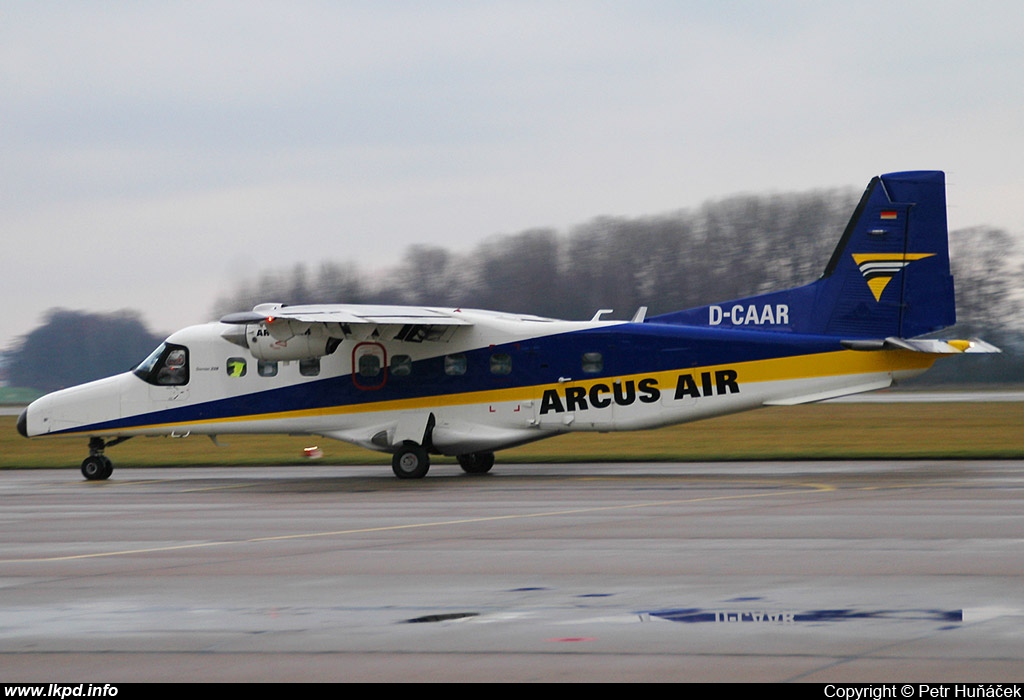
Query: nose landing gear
(97, 466)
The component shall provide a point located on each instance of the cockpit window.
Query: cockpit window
(166, 366)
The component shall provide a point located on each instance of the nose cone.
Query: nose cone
(23, 423)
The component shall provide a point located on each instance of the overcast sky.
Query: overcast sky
(154, 154)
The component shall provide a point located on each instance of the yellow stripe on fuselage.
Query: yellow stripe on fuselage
(838, 363)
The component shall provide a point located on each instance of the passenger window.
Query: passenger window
(501, 363)
(266, 368)
(593, 362)
(401, 365)
(309, 368)
(369, 365)
(236, 367)
(455, 365)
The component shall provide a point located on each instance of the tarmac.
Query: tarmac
(795, 571)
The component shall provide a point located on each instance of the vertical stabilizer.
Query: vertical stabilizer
(889, 275)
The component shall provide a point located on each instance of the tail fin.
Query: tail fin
(889, 275)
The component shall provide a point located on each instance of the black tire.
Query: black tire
(410, 462)
(96, 468)
(476, 462)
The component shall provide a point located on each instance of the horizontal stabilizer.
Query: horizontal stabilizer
(933, 347)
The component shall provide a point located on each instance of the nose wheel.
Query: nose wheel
(97, 466)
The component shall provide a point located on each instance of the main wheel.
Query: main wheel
(410, 462)
(97, 468)
(476, 462)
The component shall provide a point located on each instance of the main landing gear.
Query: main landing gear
(97, 466)
(476, 462)
(410, 462)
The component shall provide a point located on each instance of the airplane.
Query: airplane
(416, 381)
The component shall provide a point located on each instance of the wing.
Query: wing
(413, 324)
(349, 314)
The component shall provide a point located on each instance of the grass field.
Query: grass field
(822, 431)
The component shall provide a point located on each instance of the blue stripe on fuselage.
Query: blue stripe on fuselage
(626, 349)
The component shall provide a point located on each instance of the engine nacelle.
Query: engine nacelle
(289, 340)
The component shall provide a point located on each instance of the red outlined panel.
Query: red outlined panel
(369, 366)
